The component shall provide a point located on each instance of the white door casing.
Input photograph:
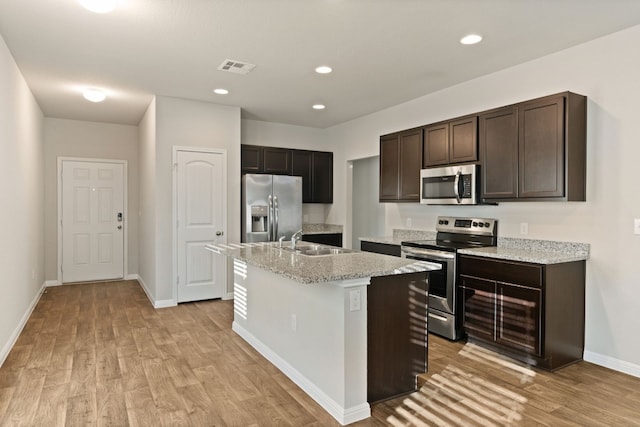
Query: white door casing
(200, 206)
(92, 211)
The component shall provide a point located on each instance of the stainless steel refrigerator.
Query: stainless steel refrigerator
(271, 207)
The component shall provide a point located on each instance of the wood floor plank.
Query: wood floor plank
(100, 354)
(52, 407)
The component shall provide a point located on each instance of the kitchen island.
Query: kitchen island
(309, 316)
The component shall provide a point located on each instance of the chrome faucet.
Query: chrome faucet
(295, 238)
(280, 239)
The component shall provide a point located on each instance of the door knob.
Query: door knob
(219, 233)
(119, 227)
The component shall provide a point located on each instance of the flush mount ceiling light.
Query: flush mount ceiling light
(98, 6)
(323, 69)
(471, 39)
(220, 91)
(318, 107)
(94, 95)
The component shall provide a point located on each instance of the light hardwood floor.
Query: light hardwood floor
(99, 354)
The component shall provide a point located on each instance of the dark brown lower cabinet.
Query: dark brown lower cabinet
(396, 334)
(332, 239)
(381, 248)
(531, 312)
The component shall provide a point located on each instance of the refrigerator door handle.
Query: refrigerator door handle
(270, 221)
(275, 216)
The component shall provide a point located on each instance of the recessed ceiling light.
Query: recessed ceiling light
(98, 6)
(471, 39)
(318, 107)
(94, 95)
(221, 91)
(323, 69)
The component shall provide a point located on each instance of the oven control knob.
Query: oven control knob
(446, 222)
(441, 222)
(475, 224)
(486, 224)
(481, 224)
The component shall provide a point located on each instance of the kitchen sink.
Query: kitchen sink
(315, 250)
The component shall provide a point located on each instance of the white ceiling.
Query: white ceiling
(383, 52)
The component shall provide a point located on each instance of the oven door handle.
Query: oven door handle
(423, 253)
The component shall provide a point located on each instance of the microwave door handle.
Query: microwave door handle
(456, 188)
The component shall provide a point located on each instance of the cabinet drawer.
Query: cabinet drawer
(502, 271)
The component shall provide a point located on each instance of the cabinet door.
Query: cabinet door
(276, 160)
(410, 165)
(301, 165)
(479, 307)
(499, 153)
(436, 145)
(331, 239)
(541, 146)
(463, 140)
(389, 168)
(322, 177)
(250, 159)
(518, 317)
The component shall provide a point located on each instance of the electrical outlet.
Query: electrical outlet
(354, 300)
(408, 222)
(305, 218)
(524, 228)
(294, 322)
(636, 226)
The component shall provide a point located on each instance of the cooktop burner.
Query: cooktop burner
(460, 233)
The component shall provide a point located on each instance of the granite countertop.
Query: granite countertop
(318, 269)
(321, 229)
(535, 251)
(401, 235)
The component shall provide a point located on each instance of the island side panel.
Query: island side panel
(397, 334)
(308, 332)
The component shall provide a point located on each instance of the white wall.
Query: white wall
(606, 71)
(147, 203)
(181, 122)
(73, 138)
(22, 189)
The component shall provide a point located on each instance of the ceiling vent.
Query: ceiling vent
(236, 67)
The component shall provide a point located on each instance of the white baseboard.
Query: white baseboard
(16, 332)
(156, 304)
(342, 415)
(612, 363)
(50, 283)
(131, 277)
(228, 296)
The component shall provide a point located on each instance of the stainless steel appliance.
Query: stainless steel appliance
(445, 308)
(271, 207)
(451, 185)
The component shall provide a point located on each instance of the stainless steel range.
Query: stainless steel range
(445, 308)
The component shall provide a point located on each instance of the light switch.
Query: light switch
(524, 228)
(636, 226)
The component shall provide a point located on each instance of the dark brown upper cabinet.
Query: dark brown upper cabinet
(277, 161)
(535, 150)
(455, 141)
(251, 159)
(271, 160)
(316, 170)
(400, 164)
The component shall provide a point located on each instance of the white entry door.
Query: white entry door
(92, 221)
(200, 205)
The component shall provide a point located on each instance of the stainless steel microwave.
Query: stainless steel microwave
(450, 185)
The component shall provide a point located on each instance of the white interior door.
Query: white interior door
(200, 205)
(92, 221)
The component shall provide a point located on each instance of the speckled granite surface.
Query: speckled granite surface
(535, 251)
(400, 235)
(317, 269)
(321, 228)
